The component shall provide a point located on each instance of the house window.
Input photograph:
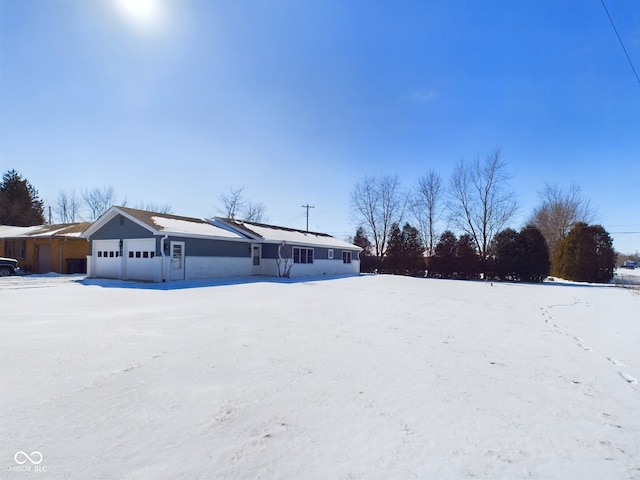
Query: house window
(330, 254)
(346, 256)
(302, 255)
(15, 249)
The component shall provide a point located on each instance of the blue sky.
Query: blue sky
(296, 100)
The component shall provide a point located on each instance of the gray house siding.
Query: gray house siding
(202, 247)
(270, 251)
(121, 228)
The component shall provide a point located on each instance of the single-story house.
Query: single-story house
(132, 244)
(46, 248)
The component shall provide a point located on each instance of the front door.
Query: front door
(177, 261)
(256, 259)
(43, 264)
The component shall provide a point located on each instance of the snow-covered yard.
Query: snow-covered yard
(361, 377)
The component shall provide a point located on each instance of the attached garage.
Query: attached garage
(132, 244)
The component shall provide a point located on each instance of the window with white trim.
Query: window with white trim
(346, 256)
(330, 254)
(302, 255)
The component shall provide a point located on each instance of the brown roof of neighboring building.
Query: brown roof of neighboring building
(53, 230)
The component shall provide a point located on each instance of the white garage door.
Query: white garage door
(139, 259)
(106, 257)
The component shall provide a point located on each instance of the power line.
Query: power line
(620, 40)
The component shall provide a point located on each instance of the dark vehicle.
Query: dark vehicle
(8, 266)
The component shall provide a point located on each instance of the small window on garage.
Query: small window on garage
(138, 254)
(330, 254)
(152, 254)
(130, 254)
(99, 253)
(145, 254)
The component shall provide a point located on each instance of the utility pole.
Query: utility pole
(307, 206)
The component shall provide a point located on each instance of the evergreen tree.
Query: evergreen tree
(467, 262)
(413, 251)
(404, 254)
(19, 202)
(506, 255)
(522, 256)
(367, 260)
(393, 259)
(442, 263)
(585, 255)
(535, 264)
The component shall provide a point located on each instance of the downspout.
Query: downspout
(162, 240)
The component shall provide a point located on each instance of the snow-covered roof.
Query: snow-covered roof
(190, 227)
(164, 223)
(273, 234)
(44, 231)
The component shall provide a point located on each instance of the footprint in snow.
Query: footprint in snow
(617, 363)
(585, 347)
(628, 378)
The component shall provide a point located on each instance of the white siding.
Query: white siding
(213, 267)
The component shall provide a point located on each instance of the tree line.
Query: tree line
(557, 239)
(478, 203)
(20, 204)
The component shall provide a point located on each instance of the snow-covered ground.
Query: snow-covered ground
(345, 378)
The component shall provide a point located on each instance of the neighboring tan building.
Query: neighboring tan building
(46, 248)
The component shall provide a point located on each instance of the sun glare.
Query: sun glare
(143, 14)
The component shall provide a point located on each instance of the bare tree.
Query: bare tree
(558, 211)
(255, 212)
(377, 204)
(67, 206)
(154, 207)
(427, 206)
(284, 260)
(480, 202)
(232, 202)
(98, 200)
(234, 206)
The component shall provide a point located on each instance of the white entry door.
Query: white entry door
(177, 261)
(256, 259)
